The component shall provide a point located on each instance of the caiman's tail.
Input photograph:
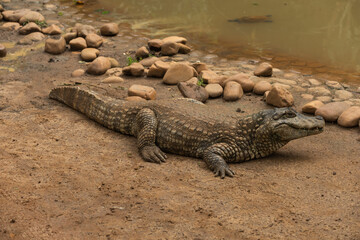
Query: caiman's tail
(99, 108)
(78, 99)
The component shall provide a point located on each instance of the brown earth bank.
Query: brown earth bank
(62, 176)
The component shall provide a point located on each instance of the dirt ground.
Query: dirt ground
(62, 176)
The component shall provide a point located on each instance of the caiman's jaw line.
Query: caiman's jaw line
(314, 128)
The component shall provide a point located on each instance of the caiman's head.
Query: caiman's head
(285, 124)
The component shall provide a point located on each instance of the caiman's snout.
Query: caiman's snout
(289, 124)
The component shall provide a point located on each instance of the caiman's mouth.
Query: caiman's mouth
(318, 128)
(314, 128)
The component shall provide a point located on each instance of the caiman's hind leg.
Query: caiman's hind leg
(145, 131)
(214, 157)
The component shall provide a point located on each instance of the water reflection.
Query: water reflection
(322, 32)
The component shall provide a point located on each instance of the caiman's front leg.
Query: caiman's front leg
(214, 157)
(145, 130)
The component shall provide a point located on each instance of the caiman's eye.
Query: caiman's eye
(290, 114)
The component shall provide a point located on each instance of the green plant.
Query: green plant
(60, 14)
(130, 60)
(102, 11)
(41, 24)
(200, 82)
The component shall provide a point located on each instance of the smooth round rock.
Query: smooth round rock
(183, 49)
(145, 92)
(77, 44)
(83, 30)
(263, 70)
(135, 69)
(112, 79)
(142, 53)
(314, 82)
(209, 76)
(93, 40)
(155, 71)
(32, 16)
(148, 62)
(52, 30)
(99, 66)
(307, 96)
(155, 44)
(343, 94)
(350, 117)
(193, 91)
(324, 99)
(109, 29)
(169, 48)
(178, 72)
(14, 15)
(243, 79)
(215, 90)
(114, 62)
(135, 99)
(89, 54)
(193, 80)
(70, 36)
(279, 97)
(175, 39)
(32, 37)
(199, 67)
(10, 26)
(232, 91)
(261, 87)
(29, 28)
(78, 73)
(117, 71)
(55, 46)
(331, 111)
(312, 106)
(334, 85)
(322, 91)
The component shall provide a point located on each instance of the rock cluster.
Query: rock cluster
(169, 59)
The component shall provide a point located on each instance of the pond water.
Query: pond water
(314, 37)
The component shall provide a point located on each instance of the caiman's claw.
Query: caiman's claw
(223, 171)
(153, 154)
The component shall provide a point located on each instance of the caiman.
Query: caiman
(190, 129)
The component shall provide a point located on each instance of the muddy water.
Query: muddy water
(315, 37)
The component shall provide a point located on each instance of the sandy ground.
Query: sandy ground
(63, 176)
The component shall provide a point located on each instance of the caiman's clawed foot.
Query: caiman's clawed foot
(222, 171)
(153, 154)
